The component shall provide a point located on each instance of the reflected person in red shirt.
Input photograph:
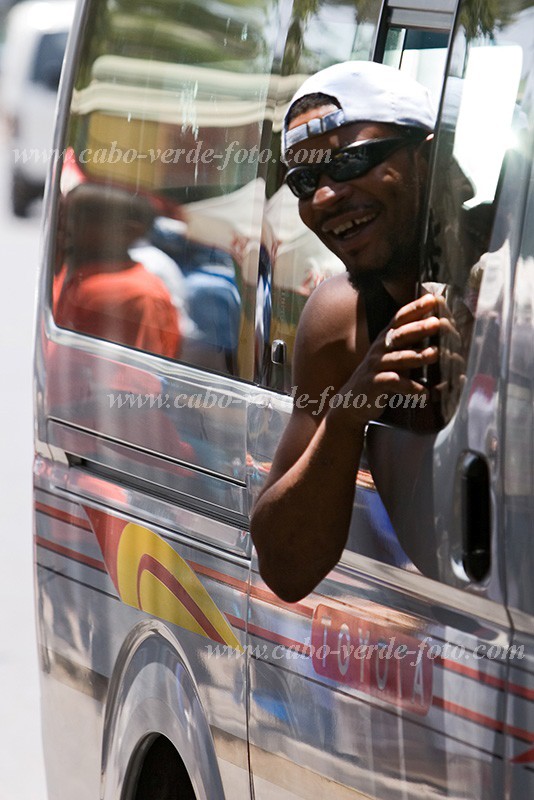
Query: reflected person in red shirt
(100, 290)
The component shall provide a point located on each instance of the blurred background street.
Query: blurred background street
(31, 48)
(21, 763)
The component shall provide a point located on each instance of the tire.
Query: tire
(163, 775)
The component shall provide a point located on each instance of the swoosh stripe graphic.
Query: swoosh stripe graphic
(108, 531)
(75, 555)
(177, 595)
(157, 599)
(135, 542)
(149, 564)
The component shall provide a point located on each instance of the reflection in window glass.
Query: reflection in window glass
(320, 34)
(421, 54)
(168, 108)
(100, 289)
(323, 33)
(479, 157)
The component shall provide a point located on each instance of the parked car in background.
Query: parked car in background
(36, 36)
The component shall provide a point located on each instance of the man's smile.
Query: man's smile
(352, 225)
(349, 224)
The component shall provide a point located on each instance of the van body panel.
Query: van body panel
(428, 716)
(222, 499)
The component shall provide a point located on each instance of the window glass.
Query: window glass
(294, 260)
(162, 187)
(479, 150)
(421, 54)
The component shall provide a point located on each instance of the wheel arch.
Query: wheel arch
(152, 693)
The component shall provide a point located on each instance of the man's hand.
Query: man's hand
(398, 350)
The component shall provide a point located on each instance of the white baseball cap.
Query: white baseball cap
(366, 92)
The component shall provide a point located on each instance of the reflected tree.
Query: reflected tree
(485, 18)
(303, 12)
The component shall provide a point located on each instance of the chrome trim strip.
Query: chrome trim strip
(209, 495)
(102, 437)
(467, 600)
(206, 530)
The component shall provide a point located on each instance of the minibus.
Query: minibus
(174, 271)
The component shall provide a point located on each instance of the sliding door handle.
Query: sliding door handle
(476, 516)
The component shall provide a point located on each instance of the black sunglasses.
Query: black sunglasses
(345, 164)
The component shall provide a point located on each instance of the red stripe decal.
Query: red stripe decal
(291, 644)
(63, 516)
(269, 597)
(73, 554)
(470, 672)
(466, 713)
(482, 719)
(218, 576)
(489, 680)
(237, 622)
(524, 758)
(521, 691)
(266, 595)
(519, 733)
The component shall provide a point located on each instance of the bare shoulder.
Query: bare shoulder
(331, 306)
(325, 347)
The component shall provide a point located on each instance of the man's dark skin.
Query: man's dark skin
(300, 522)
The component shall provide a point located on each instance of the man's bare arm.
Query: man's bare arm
(301, 520)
